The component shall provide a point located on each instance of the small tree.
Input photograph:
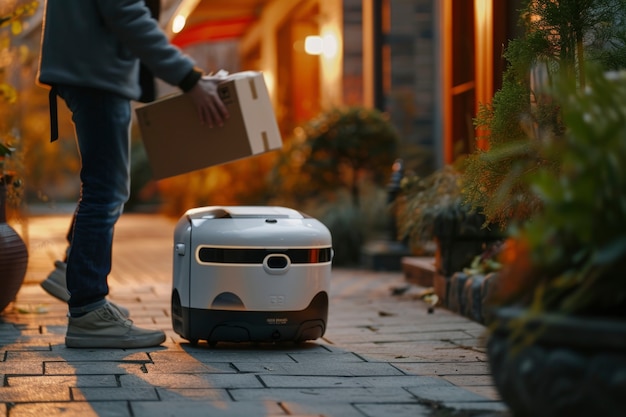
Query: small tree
(11, 17)
(339, 149)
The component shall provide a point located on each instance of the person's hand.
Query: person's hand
(210, 107)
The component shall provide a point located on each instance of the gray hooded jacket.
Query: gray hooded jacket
(99, 43)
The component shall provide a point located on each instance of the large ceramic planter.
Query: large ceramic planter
(460, 237)
(575, 367)
(13, 256)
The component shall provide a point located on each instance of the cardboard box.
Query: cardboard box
(176, 142)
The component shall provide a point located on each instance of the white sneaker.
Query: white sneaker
(56, 286)
(107, 328)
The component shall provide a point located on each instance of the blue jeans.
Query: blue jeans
(102, 124)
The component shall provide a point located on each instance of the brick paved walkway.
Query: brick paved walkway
(382, 354)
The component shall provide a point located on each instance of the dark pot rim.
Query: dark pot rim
(559, 328)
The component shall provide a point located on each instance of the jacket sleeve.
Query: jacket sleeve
(131, 23)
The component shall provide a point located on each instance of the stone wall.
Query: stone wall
(409, 68)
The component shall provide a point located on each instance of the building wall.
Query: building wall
(408, 72)
(353, 52)
(410, 84)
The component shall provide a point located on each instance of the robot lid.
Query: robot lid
(252, 226)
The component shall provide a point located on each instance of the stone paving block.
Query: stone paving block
(191, 380)
(353, 331)
(64, 381)
(324, 395)
(225, 351)
(477, 405)
(337, 357)
(319, 408)
(189, 367)
(8, 330)
(470, 380)
(172, 343)
(487, 391)
(24, 345)
(114, 394)
(328, 368)
(421, 352)
(72, 409)
(33, 394)
(449, 394)
(38, 342)
(460, 354)
(394, 410)
(34, 332)
(477, 344)
(444, 368)
(193, 394)
(93, 368)
(221, 356)
(389, 337)
(435, 325)
(21, 368)
(480, 333)
(284, 381)
(179, 357)
(387, 357)
(73, 355)
(206, 408)
(307, 414)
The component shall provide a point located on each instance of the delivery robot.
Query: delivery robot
(250, 274)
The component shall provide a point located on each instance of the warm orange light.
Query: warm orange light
(179, 23)
(318, 45)
(313, 45)
(329, 46)
(483, 10)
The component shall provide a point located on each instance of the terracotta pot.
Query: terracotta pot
(13, 256)
(559, 365)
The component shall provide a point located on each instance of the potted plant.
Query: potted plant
(560, 37)
(558, 344)
(13, 252)
(431, 212)
(553, 174)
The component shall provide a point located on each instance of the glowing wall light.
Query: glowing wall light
(179, 23)
(329, 46)
(313, 45)
(318, 45)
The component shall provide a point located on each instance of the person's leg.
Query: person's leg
(102, 123)
(55, 283)
(68, 237)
